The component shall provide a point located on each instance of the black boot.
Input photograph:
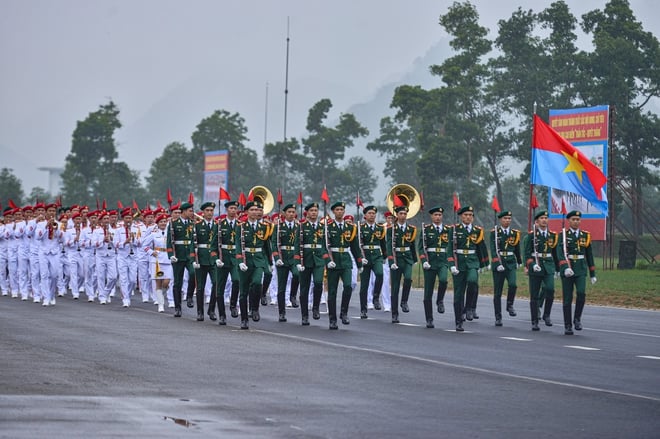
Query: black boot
(579, 306)
(510, 297)
(428, 313)
(255, 293)
(568, 327)
(442, 288)
(378, 286)
(498, 319)
(242, 302)
(405, 294)
(293, 293)
(497, 305)
(458, 316)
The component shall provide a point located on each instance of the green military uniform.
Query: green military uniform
(540, 248)
(252, 249)
(433, 247)
(401, 256)
(180, 245)
(227, 233)
(285, 243)
(342, 239)
(575, 253)
(207, 255)
(505, 251)
(315, 257)
(468, 253)
(372, 238)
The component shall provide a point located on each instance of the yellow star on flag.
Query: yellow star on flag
(574, 164)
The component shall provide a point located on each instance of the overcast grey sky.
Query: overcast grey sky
(168, 64)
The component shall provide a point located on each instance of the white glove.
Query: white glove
(243, 266)
(568, 272)
(300, 268)
(332, 264)
(173, 259)
(219, 263)
(487, 268)
(594, 280)
(394, 267)
(196, 265)
(500, 268)
(537, 268)
(279, 263)
(454, 270)
(360, 270)
(364, 262)
(426, 265)
(556, 275)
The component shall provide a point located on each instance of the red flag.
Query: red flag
(300, 198)
(421, 199)
(495, 204)
(324, 195)
(12, 205)
(169, 197)
(135, 205)
(250, 196)
(224, 195)
(563, 206)
(191, 198)
(104, 205)
(457, 202)
(158, 205)
(533, 202)
(119, 205)
(358, 201)
(279, 197)
(398, 202)
(241, 199)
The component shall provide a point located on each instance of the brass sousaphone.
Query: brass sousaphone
(263, 195)
(408, 196)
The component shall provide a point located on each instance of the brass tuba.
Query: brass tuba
(264, 196)
(159, 272)
(408, 195)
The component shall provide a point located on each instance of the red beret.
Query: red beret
(126, 212)
(161, 217)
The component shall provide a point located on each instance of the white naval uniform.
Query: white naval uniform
(21, 234)
(4, 261)
(35, 246)
(74, 253)
(12, 258)
(127, 260)
(50, 264)
(89, 263)
(106, 263)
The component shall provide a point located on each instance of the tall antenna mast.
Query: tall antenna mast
(286, 78)
(266, 118)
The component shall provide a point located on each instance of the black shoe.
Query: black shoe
(469, 315)
(377, 306)
(189, 302)
(577, 324)
(305, 321)
(255, 316)
(282, 317)
(441, 307)
(294, 302)
(333, 324)
(363, 314)
(233, 311)
(222, 320)
(459, 327)
(345, 321)
(568, 330)
(177, 312)
(429, 323)
(511, 311)
(212, 316)
(200, 316)
(474, 314)
(404, 307)
(535, 326)
(244, 324)
(395, 318)
(264, 300)
(547, 320)
(498, 322)
(316, 314)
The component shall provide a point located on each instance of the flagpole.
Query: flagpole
(531, 186)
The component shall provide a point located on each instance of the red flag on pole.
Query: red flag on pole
(135, 205)
(563, 206)
(169, 196)
(241, 199)
(300, 198)
(495, 204)
(191, 198)
(224, 195)
(533, 202)
(104, 205)
(279, 197)
(358, 201)
(398, 202)
(250, 196)
(119, 205)
(324, 195)
(457, 202)
(12, 205)
(158, 205)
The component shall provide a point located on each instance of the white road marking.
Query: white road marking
(584, 348)
(408, 324)
(625, 333)
(649, 357)
(516, 339)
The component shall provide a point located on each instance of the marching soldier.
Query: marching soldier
(285, 243)
(206, 260)
(541, 262)
(106, 258)
(505, 251)
(181, 252)
(467, 254)
(160, 267)
(402, 255)
(313, 263)
(254, 254)
(228, 230)
(127, 243)
(341, 239)
(433, 254)
(373, 249)
(575, 261)
(49, 233)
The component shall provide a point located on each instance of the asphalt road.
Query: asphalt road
(87, 370)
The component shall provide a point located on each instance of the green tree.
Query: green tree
(117, 182)
(283, 166)
(173, 170)
(40, 194)
(398, 143)
(225, 131)
(11, 188)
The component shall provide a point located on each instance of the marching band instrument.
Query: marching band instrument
(159, 273)
(264, 196)
(408, 195)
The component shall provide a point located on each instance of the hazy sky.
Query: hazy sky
(168, 64)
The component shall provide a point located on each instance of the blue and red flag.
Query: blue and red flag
(558, 164)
